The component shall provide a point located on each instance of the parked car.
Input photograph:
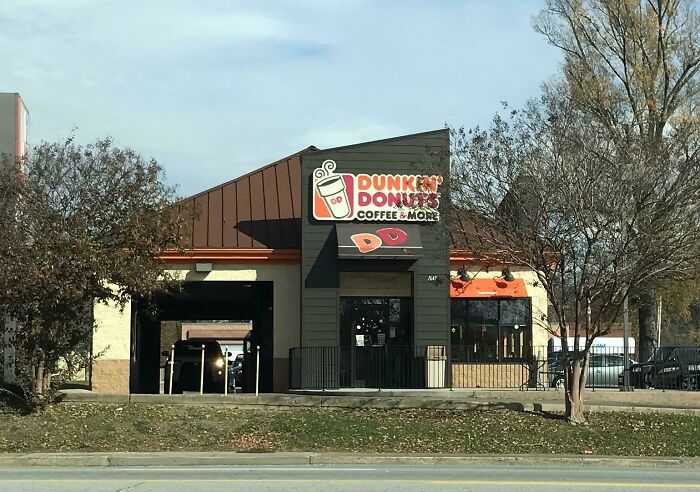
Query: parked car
(669, 368)
(187, 366)
(603, 371)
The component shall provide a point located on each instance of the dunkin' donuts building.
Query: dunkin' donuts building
(349, 270)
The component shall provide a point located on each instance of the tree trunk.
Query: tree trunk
(39, 376)
(575, 414)
(574, 399)
(648, 328)
(46, 381)
(575, 384)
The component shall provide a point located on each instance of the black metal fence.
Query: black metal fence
(443, 366)
(671, 368)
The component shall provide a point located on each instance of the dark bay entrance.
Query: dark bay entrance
(202, 300)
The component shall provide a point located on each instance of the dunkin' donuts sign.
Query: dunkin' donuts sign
(376, 197)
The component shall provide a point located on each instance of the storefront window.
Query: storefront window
(515, 327)
(375, 321)
(485, 330)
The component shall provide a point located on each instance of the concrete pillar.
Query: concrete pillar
(111, 347)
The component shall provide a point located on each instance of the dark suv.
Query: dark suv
(670, 368)
(187, 367)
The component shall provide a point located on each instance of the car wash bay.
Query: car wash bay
(202, 301)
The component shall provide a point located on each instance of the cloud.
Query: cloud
(339, 133)
(216, 88)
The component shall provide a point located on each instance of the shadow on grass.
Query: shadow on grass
(12, 398)
(75, 385)
(547, 414)
(520, 408)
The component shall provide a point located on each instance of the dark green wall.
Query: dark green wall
(423, 153)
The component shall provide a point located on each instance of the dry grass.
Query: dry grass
(142, 427)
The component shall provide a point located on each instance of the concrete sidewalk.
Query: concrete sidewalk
(546, 401)
(182, 459)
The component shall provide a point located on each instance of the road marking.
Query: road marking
(543, 483)
(239, 468)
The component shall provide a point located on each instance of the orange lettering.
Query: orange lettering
(435, 181)
(366, 242)
(379, 181)
(393, 183)
(364, 182)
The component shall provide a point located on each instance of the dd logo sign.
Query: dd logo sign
(389, 236)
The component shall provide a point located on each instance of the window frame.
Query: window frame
(526, 347)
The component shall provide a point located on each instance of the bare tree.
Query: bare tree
(552, 178)
(633, 67)
(79, 225)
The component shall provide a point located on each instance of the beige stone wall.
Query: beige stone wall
(111, 344)
(485, 375)
(112, 335)
(110, 376)
(540, 323)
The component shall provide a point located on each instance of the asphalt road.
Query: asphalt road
(346, 478)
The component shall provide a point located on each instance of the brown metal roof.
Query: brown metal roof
(473, 233)
(261, 209)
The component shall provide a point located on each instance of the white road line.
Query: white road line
(246, 468)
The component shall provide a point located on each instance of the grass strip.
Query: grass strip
(146, 427)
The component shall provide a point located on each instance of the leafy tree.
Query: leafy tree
(680, 313)
(79, 225)
(632, 66)
(574, 208)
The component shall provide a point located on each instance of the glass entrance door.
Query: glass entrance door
(371, 329)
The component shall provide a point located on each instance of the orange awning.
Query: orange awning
(488, 287)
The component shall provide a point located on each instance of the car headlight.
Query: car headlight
(219, 363)
(636, 369)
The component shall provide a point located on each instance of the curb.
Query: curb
(178, 459)
(382, 402)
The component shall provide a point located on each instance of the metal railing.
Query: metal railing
(444, 366)
(404, 366)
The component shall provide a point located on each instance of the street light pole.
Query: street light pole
(625, 319)
(626, 344)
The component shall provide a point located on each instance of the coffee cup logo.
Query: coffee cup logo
(331, 187)
(341, 196)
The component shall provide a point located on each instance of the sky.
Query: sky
(214, 89)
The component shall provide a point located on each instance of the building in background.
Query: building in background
(14, 127)
(14, 144)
